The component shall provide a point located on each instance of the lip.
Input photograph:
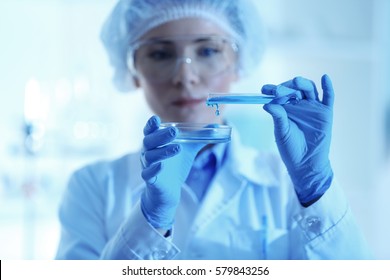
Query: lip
(188, 102)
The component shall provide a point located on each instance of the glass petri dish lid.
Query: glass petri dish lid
(200, 132)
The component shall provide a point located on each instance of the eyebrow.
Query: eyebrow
(172, 41)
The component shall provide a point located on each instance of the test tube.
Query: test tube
(234, 98)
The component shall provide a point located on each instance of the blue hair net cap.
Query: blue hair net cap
(131, 19)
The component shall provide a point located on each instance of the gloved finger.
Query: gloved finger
(328, 92)
(150, 173)
(307, 91)
(159, 154)
(308, 88)
(280, 100)
(283, 94)
(286, 95)
(282, 90)
(152, 125)
(159, 137)
(281, 122)
(278, 90)
(268, 89)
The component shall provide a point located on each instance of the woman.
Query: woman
(205, 201)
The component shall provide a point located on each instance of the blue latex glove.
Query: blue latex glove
(303, 135)
(166, 166)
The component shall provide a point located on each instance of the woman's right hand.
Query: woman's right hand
(166, 166)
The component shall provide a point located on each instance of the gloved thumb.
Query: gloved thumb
(280, 118)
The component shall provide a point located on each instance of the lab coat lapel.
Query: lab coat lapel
(229, 182)
(222, 190)
(244, 166)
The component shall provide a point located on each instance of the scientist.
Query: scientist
(215, 201)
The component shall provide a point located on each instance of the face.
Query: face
(179, 64)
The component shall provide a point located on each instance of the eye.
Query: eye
(208, 52)
(160, 55)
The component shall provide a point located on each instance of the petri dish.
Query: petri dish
(200, 133)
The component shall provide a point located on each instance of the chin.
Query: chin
(192, 116)
(204, 118)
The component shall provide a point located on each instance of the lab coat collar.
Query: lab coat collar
(259, 167)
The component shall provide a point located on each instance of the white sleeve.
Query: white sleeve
(83, 224)
(137, 239)
(330, 230)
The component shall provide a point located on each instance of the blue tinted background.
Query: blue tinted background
(53, 70)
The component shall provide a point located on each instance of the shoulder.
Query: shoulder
(101, 185)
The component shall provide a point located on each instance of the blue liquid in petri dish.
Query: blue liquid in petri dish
(193, 139)
(201, 133)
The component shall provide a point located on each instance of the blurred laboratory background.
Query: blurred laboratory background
(59, 109)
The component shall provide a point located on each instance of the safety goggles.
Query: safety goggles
(159, 59)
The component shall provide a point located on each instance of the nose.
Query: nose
(185, 72)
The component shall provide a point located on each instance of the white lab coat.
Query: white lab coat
(249, 212)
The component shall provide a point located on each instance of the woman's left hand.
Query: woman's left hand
(303, 135)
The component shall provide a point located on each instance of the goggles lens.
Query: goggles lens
(159, 59)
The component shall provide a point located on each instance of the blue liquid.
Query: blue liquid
(201, 140)
(203, 136)
(216, 108)
(200, 133)
(239, 99)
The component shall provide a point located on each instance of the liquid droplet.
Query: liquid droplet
(217, 110)
(216, 107)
